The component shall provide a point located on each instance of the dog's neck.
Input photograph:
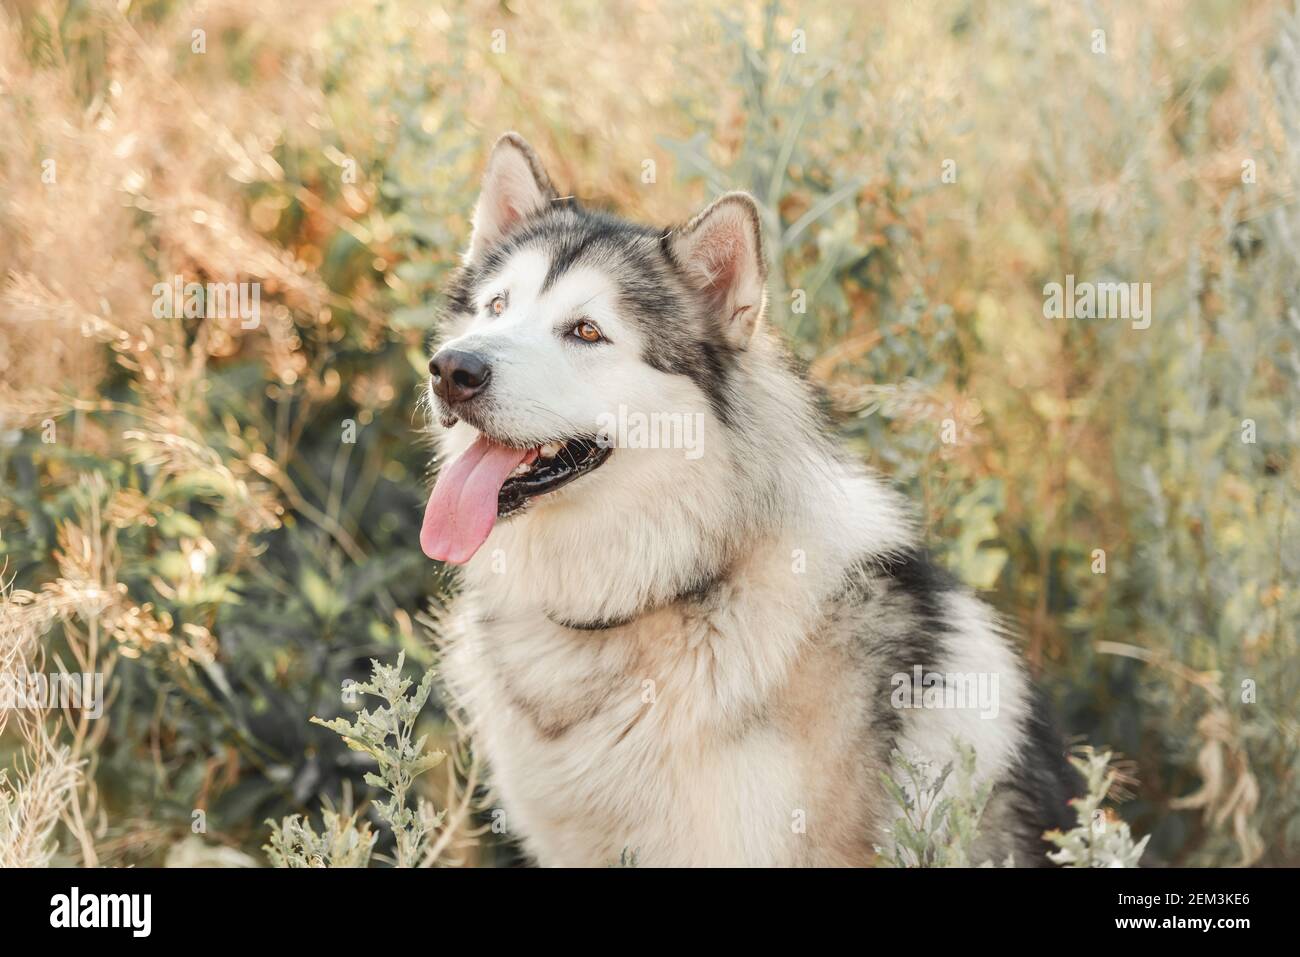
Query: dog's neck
(697, 593)
(584, 565)
(588, 569)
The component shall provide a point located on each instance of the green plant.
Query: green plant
(224, 520)
(343, 842)
(387, 735)
(1099, 839)
(934, 828)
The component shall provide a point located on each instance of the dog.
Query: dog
(706, 650)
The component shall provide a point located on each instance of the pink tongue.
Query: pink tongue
(463, 506)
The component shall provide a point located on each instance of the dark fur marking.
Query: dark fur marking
(1043, 782)
(1040, 787)
(703, 362)
(697, 592)
(599, 624)
(912, 573)
(912, 580)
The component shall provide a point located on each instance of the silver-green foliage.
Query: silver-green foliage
(936, 824)
(343, 842)
(1097, 840)
(386, 734)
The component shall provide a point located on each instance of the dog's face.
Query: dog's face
(575, 339)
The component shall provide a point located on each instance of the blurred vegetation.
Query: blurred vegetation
(181, 507)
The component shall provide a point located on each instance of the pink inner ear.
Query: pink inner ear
(508, 210)
(720, 251)
(507, 216)
(510, 194)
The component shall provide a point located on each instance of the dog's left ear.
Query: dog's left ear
(721, 252)
(515, 186)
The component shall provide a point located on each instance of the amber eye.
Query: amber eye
(497, 305)
(587, 331)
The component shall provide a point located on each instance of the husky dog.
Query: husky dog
(697, 657)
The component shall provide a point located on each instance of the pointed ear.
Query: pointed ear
(721, 253)
(514, 187)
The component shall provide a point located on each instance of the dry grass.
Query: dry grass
(177, 499)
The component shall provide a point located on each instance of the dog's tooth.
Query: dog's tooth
(550, 450)
(521, 469)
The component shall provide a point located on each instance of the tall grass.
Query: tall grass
(181, 510)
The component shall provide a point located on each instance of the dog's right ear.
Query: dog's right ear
(721, 253)
(514, 187)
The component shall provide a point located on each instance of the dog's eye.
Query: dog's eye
(497, 305)
(587, 331)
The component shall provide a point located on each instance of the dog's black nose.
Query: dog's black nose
(457, 375)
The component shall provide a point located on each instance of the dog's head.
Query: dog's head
(575, 342)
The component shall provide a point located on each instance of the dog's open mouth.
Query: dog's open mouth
(490, 480)
(555, 465)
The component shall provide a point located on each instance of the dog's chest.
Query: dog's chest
(603, 745)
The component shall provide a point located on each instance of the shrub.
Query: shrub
(181, 509)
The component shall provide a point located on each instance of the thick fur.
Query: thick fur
(692, 660)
